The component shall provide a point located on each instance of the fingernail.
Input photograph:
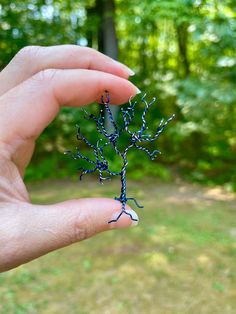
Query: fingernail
(129, 71)
(138, 91)
(134, 216)
(134, 221)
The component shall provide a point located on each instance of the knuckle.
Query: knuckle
(45, 75)
(91, 52)
(28, 53)
(74, 51)
(12, 234)
(83, 228)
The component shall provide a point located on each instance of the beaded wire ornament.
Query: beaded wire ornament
(136, 138)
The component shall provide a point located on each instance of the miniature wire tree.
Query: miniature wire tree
(136, 138)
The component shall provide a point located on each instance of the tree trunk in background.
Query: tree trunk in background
(91, 13)
(154, 49)
(99, 27)
(182, 38)
(107, 41)
(109, 31)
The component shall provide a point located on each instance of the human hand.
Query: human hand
(33, 87)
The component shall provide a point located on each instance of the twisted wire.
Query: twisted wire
(128, 112)
(147, 106)
(106, 104)
(98, 120)
(80, 137)
(160, 129)
(152, 154)
(85, 171)
(100, 163)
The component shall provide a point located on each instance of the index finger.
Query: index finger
(33, 59)
(28, 108)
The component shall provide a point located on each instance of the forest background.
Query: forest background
(183, 53)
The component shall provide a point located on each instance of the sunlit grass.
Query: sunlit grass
(180, 259)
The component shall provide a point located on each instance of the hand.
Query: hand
(33, 87)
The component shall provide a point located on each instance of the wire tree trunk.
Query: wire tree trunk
(136, 139)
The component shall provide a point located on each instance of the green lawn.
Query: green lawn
(180, 259)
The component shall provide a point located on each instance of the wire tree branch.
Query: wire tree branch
(136, 138)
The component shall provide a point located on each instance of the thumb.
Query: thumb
(77, 220)
(49, 227)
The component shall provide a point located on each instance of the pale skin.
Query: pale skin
(33, 87)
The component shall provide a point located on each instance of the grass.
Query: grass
(180, 259)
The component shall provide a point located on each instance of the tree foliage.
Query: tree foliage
(183, 52)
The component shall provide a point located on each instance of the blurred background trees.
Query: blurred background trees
(183, 52)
